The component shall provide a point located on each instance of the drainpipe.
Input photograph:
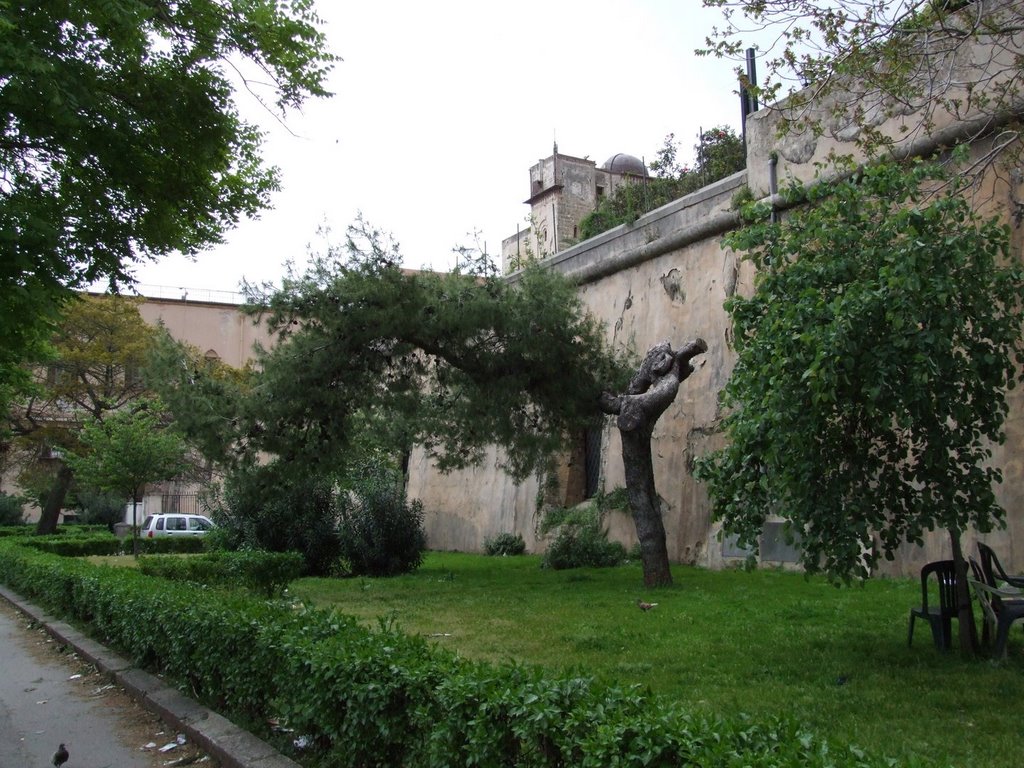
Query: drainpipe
(773, 183)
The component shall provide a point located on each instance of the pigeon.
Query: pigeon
(60, 756)
(646, 606)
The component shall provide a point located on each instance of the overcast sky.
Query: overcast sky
(441, 108)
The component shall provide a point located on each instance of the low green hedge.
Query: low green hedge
(265, 573)
(385, 699)
(107, 544)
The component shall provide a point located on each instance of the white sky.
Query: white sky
(441, 108)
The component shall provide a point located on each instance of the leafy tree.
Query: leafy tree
(94, 368)
(872, 363)
(127, 450)
(719, 153)
(121, 140)
(871, 60)
(453, 362)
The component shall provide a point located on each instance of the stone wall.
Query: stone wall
(665, 277)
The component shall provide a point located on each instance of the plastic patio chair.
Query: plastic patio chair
(1000, 611)
(993, 570)
(938, 616)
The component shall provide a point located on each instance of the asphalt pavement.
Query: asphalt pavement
(44, 702)
(41, 706)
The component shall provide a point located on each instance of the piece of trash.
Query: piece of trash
(43, 701)
(440, 634)
(29, 690)
(74, 677)
(303, 742)
(151, 745)
(169, 747)
(180, 738)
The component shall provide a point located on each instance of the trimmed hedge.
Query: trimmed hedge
(108, 544)
(385, 699)
(265, 573)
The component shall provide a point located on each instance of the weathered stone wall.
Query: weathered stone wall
(665, 277)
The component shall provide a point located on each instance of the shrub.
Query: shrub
(381, 533)
(99, 508)
(261, 509)
(12, 509)
(505, 544)
(264, 573)
(581, 540)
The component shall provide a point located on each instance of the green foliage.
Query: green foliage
(505, 544)
(122, 140)
(873, 363)
(261, 508)
(127, 450)
(719, 153)
(381, 533)
(454, 362)
(99, 507)
(385, 699)
(12, 509)
(101, 543)
(581, 539)
(264, 573)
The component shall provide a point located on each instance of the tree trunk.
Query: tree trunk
(646, 507)
(135, 524)
(55, 501)
(968, 632)
(650, 392)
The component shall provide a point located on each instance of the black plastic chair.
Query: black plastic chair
(993, 570)
(938, 616)
(1000, 611)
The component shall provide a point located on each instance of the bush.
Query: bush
(381, 533)
(105, 544)
(12, 509)
(261, 509)
(385, 699)
(99, 508)
(264, 573)
(581, 540)
(505, 544)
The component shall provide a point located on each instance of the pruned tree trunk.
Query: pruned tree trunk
(55, 501)
(651, 391)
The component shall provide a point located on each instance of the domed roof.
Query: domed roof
(623, 163)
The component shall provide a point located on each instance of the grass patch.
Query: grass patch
(767, 642)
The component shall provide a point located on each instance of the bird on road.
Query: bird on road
(60, 756)
(646, 606)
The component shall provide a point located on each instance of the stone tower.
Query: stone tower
(564, 189)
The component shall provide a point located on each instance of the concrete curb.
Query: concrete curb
(231, 746)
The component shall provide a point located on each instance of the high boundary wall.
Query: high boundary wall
(665, 277)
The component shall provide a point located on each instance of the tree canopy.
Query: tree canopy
(121, 140)
(453, 361)
(93, 367)
(873, 360)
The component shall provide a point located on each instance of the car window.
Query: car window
(175, 523)
(159, 523)
(146, 522)
(198, 524)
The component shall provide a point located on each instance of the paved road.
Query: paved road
(46, 699)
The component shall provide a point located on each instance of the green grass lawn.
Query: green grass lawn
(766, 642)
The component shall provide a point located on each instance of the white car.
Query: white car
(176, 525)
